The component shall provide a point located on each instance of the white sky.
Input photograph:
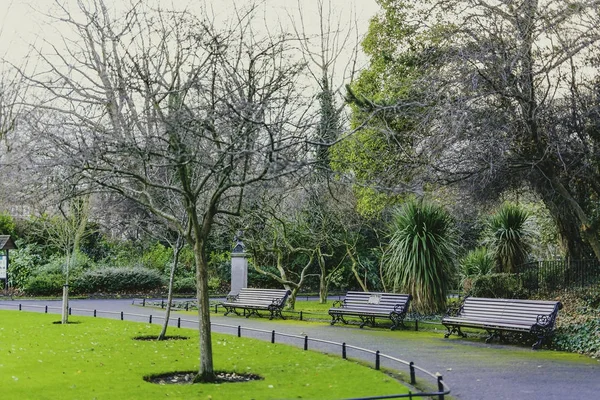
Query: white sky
(22, 21)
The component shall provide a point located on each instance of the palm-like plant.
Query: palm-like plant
(477, 262)
(509, 236)
(421, 253)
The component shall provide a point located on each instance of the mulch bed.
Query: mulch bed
(187, 377)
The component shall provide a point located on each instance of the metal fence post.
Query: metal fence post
(46, 310)
(344, 350)
(412, 373)
(440, 387)
(122, 315)
(150, 319)
(305, 342)
(273, 336)
(94, 313)
(239, 331)
(179, 322)
(377, 360)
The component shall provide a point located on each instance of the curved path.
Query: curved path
(472, 369)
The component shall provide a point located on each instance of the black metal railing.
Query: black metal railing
(560, 275)
(322, 345)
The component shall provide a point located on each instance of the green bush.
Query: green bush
(185, 285)
(578, 326)
(45, 285)
(23, 262)
(118, 280)
(505, 286)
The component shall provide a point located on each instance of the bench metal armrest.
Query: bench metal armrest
(399, 308)
(545, 320)
(232, 297)
(339, 303)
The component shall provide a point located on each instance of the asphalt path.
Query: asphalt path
(472, 369)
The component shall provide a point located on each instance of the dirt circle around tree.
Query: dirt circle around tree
(187, 377)
(153, 338)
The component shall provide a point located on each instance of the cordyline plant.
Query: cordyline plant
(509, 236)
(421, 254)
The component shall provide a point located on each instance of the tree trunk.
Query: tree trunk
(176, 250)
(206, 371)
(65, 305)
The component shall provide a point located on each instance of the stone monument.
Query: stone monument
(239, 265)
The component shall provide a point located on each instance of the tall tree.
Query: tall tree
(157, 103)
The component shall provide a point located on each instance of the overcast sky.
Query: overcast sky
(22, 22)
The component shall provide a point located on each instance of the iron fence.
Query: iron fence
(377, 358)
(560, 275)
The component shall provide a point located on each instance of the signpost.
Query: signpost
(4, 269)
(6, 243)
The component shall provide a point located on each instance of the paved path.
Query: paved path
(472, 369)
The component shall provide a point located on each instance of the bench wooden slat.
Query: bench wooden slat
(370, 305)
(497, 315)
(253, 300)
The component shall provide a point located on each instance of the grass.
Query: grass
(96, 358)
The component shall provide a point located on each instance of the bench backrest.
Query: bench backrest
(376, 301)
(276, 297)
(522, 311)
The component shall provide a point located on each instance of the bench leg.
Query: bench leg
(454, 329)
(251, 312)
(230, 310)
(397, 320)
(337, 318)
(538, 344)
(366, 320)
(276, 312)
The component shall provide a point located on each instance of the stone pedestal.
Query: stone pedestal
(239, 272)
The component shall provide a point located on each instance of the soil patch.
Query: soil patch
(152, 338)
(187, 377)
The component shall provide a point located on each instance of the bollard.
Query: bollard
(273, 336)
(144, 302)
(187, 306)
(19, 306)
(239, 331)
(179, 322)
(94, 313)
(300, 315)
(305, 342)
(413, 380)
(121, 315)
(70, 311)
(377, 360)
(344, 350)
(162, 303)
(416, 324)
(150, 319)
(46, 310)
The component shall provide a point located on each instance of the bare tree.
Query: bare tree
(160, 104)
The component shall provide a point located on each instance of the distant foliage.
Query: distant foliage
(421, 254)
(23, 262)
(118, 280)
(506, 286)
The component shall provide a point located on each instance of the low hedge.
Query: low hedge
(118, 280)
(505, 286)
(44, 285)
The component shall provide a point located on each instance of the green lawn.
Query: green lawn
(96, 358)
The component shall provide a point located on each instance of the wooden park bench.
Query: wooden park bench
(250, 301)
(533, 317)
(368, 305)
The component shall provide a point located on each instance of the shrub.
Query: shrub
(420, 258)
(23, 261)
(118, 280)
(509, 235)
(578, 326)
(506, 286)
(45, 285)
(185, 285)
